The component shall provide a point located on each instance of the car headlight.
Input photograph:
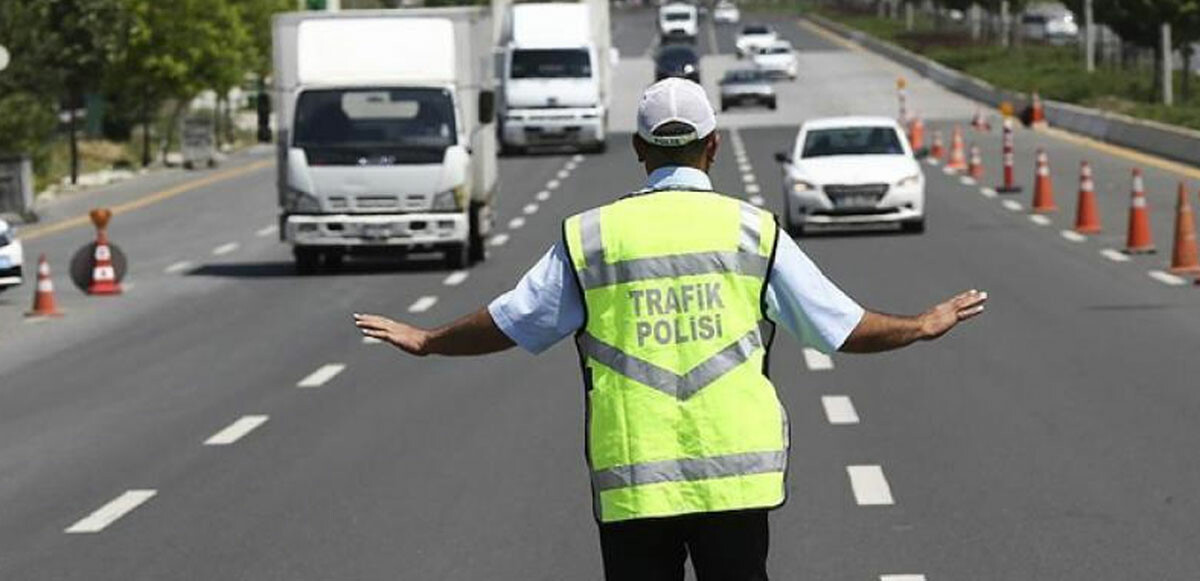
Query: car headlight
(909, 181)
(801, 186)
(448, 201)
(302, 202)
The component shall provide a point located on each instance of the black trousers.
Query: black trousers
(724, 546)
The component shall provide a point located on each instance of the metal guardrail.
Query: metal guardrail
(1168, 141)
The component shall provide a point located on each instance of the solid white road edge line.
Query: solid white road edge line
(180, 266)
(817, 361)
(225, 248)
(1114, 255)
(1073, 236)
(869, 485)
(109, 513)
(235, 431)
(456, 278)
(423, 304)
(1167, 278)
(322, 375)
(839, 410)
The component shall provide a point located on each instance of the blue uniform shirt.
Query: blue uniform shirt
(546, 307)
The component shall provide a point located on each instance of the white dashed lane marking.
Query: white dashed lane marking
(1114, 255)
(578, 158)
(456, 278)
(423, 304)
(562, 174)
(516, 223)
(266, 231)
(322, 375)
(905, 577)
(752, 189)
(1039, 219)
(371, 341)
(543, 195)
(1012, 205)
(967, 180)
(987, 192)
(748, 178)
(499, 239)
(1073, 236)
(839, 410)
(177, 267)
(744, 167)
(225, 248)
(1167, 278)
(530, 208)
(552, 185)
(235, 431)
(109, 513)
(757, 200)
(869, 485)
(817, 361)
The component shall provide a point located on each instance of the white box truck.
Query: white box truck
(557, 75)
(385, 140)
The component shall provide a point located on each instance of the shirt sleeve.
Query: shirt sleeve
(544, 307)
(805, 302)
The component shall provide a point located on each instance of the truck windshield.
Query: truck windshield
(678, 16)
(550, 64)
(401, 125)
(852, 141)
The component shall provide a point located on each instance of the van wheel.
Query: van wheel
(478, 245)
(334, 259)
(308, 260)
(458, 256)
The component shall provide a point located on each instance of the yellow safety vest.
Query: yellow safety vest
(681, 416)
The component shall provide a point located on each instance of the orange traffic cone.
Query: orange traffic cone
(1043, 189)
(1037, 112)
(938, 151)
(958, 156)
(979, 122)
(104, 275)
(1087, 213)
(1139, 240)
(44, 304)
(1184, 256)
(916, 134)
(975, 168)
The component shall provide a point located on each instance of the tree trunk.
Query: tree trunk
(145, 131)
(1185, 84)
(176, 112)
(74, 138)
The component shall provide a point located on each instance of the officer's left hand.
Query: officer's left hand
(406, 337)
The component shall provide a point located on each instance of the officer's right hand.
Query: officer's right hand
(406, 337)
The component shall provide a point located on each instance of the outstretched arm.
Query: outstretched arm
(881, 332)
(474, 334)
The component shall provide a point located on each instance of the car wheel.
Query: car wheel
(771, 105)
(913, 226)
(724, 106)
(308, 260)
(478, 245)
(458, 256)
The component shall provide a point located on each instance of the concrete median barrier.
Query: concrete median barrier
(1167, 141)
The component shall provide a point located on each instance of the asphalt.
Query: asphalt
(1053, 438)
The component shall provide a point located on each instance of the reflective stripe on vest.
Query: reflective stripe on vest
(673, 306)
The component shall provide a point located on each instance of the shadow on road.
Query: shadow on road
(287, 269)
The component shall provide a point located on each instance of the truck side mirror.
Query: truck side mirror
(487, 107)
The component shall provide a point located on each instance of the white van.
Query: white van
(678, 21)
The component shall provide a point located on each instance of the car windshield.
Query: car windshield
(550, 64)
(376, 121)
(676, 57)
(852, 141)
(678, 16)
(742, 76)
(749, 30)
(777, 50)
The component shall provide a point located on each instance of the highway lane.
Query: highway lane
(1036, 443)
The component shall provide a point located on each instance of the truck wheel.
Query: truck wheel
(478, 245)
(188, 165)
(458, 256)
(308, 260)
(334, 259)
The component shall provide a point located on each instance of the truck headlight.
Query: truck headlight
(909, 181)
(301, 202)
(448, 201)
(801, 186)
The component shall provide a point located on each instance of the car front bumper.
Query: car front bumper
(553, 129)
(897, 205)
(12, 258)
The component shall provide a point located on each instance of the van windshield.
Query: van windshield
(678, 16)
(554, 63)
(403, 125)
(852, 141)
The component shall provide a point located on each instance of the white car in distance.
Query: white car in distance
(12, 256)
(753, 38)
(678, 21)
(852, 171)
(726, 13)
(776, 60)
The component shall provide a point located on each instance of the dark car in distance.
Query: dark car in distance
(677, 61)
(746, 87)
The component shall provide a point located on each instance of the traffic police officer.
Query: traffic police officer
(672, 293)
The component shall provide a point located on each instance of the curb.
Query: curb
(1167, 141)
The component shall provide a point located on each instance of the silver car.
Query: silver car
(746, 87)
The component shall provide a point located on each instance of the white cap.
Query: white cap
(675, 100)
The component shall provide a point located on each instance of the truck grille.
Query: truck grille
(375, 202)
